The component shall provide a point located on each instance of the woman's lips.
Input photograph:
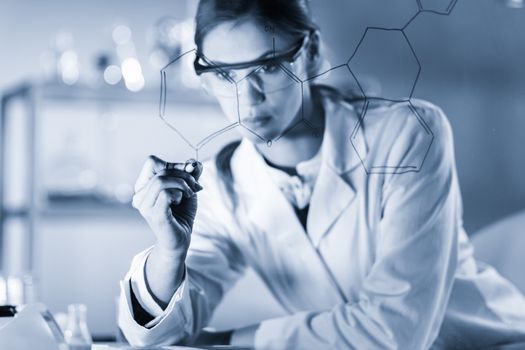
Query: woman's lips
(256, 121)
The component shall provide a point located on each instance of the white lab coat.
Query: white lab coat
(384, 264)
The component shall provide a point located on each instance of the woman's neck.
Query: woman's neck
(300, 143)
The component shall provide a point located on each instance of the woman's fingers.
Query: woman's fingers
(197, 170)
(190, 179)
(191, 166)
(176, 179)
(151, 167)
(160, 183)
(175, 166)
(161, 189)
(156, 166)
(166, 199)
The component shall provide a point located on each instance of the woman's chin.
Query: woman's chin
(260, 136)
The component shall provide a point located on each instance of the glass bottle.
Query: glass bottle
(77, 334)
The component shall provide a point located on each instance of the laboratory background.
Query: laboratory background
(80, 87)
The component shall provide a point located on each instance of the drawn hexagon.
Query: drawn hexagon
(440, 7)
(259, 85)
(385, 58)
(397, 145)
(195, 133)
(343, 79)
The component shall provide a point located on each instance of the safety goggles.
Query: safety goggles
(268, 74)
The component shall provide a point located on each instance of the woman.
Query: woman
(366, 261)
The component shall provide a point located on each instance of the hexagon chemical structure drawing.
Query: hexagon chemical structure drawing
(399, 53)
(438, 7)
(287, 79)
(418, 153)
(412, 19)
(343, 79)
(167, 116)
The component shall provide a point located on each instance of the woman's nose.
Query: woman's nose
(250, 91)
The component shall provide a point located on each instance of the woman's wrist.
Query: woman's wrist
(172, 255)
(164, 273)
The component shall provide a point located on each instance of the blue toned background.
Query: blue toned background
(472, 67)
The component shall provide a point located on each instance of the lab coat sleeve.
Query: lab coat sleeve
(402, 300)
(140, 289)
(213, 264)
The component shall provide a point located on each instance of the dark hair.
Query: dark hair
(223, 164)
(288, 16)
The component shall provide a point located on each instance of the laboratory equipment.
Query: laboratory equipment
(77, 334)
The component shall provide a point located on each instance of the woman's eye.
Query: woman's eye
(269, 68)
(223, 75)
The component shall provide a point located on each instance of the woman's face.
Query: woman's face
(266, 101)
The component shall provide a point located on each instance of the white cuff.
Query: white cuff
(140, 288)
(143, 294)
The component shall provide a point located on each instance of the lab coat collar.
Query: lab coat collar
(268, 210)
(331, 193)
(344, 146)
(330, 197)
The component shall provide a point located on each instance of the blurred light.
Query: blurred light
(132, 73)
(158, 59)
(69, 67)
(64, 41)
(112, 75)
(121, 34)
(124, 193)
(187, 32)
(516, 4)
(188, 76)
(135, 86)
(174, 34)
(125, 51)
(166, 32)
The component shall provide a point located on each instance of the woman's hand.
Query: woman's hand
(165, 195)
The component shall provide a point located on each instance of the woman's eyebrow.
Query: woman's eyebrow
(266, 55)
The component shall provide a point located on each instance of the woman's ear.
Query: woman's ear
(315, 58)
(314, 45)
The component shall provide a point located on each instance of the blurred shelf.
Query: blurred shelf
(63, 211)
(105, 93)
(74, 207)
(29, 99)
(88, 204)
(15, 213)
